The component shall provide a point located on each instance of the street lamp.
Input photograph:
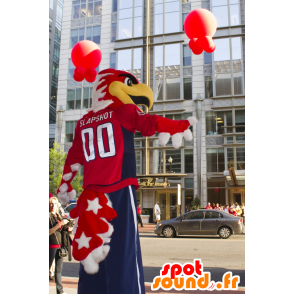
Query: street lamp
(170, 160)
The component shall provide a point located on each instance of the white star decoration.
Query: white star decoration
(83, 241)
(93, 205)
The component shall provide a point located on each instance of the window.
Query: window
(87, 97)
(188, 158)
(93, 34)
(49, 45)
(50, 24)
(57, 33)
(76, 35)
(237, 65)
(78, 9)
(172, 16)
(216, 190)
(240, 152)
(215, 160)
(207, 58)
(55, 71)
(215, 122)
(208, 86)
(59, 12)
(56, 53)
(52, 105)
(138, 162)
(229, 119)
(51, 4)
(234, 12)
(175, 165)
(113, 32)
(189, 183)
(73, 99)
(94, 7)
(184, 15)
(69, 131)
(212, 214)
(112, 60)
(128, 26)
(187, 59)
(71, 69)
(240, 120)
(194, 215)
(187, 88)
(114, 5)
(220, 11)
(230, 157)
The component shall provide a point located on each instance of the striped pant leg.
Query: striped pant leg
(122, 270)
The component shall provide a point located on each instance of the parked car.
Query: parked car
(68, 208)
(201, 222)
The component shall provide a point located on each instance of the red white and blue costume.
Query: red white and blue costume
(104, 145)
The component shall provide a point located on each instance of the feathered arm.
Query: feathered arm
(72, 164)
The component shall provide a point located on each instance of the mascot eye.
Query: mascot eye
(128, 81)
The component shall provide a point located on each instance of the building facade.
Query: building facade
(55, 23)
(147, 39)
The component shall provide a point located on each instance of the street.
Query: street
(217, 255)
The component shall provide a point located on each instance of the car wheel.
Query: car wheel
(168, 232)
(224, 232)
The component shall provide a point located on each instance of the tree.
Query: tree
(195, 203)
(56, 163)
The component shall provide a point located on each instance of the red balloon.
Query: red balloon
(207, 43)
(90, 74)
(211, 49)
(216, 190)
(86, 54)
(200, 23)
(79, 74)
(196, 46)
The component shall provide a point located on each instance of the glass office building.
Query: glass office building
(146, 38)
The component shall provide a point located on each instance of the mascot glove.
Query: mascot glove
(178, 136)
(92, 229)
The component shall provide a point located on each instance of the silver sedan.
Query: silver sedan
(201, 222)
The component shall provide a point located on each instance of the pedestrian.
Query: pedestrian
(217, 207)
(157, 212)
(213, 205)
(208, 206)
(238, 209)
(55, 227)
(187, 208)
(226, 209)
(139, 211)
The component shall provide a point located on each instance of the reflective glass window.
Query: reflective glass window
(69, 131)
(74, 37)
(97, 7)
(70, 99)
(187, 58)
(125, 4)
(240, 153)
(51, 4)
(172, 22)
(113, 32)
(188, 158)
(50, 24)
(171, 7)
(96, 34)
(240, 120)
(125, 28)
(71, 69)
(211, 159)
(158, 24)
(172, 88)
(114, 5)
(113, 60)
(125, 13)
(138, 3)
(234, 14)
(223, 84)
(212, 214)
(207, 58)
(208, 87)
(138, 11)
(138, 30)
(175, 166)
(230, 157)
(87, 97)
(222, 50)
(124, 59)
(187, 88)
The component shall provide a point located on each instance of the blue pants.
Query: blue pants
(122, 270)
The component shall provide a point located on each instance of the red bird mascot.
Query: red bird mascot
(104, 145)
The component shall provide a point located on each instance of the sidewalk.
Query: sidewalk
(148, 228)
(70, 286)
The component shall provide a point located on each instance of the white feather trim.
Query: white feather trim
(192, 120)
(63, 188)
(188, 135)
(67, 177)
(177, 140)
(105, 250)
(63, 198)
(75, 225)
(163, 138)
(72, 194)
(90, 264)
(75, 167)
(98, 105)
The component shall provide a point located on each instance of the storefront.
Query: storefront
(236, 185)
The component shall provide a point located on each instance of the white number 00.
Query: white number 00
(100, 143)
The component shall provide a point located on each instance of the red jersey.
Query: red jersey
(139, 211)
(104, 145)
(208, 207)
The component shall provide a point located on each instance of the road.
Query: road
(217, 255)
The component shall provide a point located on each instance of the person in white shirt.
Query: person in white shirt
(157, 212)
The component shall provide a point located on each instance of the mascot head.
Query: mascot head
(115, 87)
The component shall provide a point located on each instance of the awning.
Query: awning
(234, 178)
